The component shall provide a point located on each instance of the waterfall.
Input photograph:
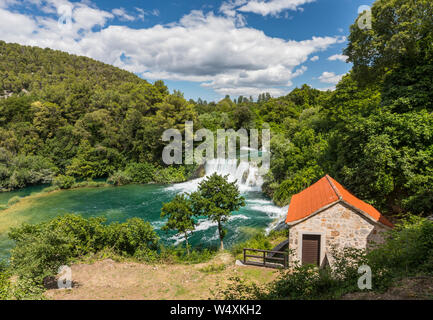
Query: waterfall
(248, 179)
(245, 173)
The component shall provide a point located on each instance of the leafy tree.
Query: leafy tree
(217, 198)
(398, 49)
(180, 216)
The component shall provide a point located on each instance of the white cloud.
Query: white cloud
(330, 77)
(264, 8)
(121, 14)
(143, 13)
(315, 58)
(340, 57)
(215, 51)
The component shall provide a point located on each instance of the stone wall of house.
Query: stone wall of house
(340, 226)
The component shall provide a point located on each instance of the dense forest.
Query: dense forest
(64, 117)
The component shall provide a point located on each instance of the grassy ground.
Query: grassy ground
(108, 279)
(111, 280)
(414, 288)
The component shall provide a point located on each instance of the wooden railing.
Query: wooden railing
(278, 262)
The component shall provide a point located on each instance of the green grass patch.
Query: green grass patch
(213, 268)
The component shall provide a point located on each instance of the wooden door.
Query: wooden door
(311, 249)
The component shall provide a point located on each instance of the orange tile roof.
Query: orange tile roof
(325, 192)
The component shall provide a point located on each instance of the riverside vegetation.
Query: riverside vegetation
(65, 118)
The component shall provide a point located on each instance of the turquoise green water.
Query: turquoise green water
(144, 201)
(5, 196)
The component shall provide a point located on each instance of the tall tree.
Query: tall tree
(180, 216)
(217, 198)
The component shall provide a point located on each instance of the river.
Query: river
(145, 201)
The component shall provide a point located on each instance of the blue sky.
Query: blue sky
(205, 49)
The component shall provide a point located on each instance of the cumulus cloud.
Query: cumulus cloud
(213, 50)
(264, 8)
(340, 57)
(330, 77)
(315, 58)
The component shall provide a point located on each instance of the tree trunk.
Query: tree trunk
(220, 231)
(187, 244)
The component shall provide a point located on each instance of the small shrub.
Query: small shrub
(5, 286)
(63, 182)
(119, 178)
(142, 172)
(170, 175)
(179, 255)
(89, 184)
(239, 289)
(50, 189)
(132, 235)
(259, 241)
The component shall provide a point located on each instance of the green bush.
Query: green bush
(178, 254)
(21, 170)
(140, 172)
(42, 248)
(63, 182)
(50, 189)
(195, 256)
(258, 241)
(170, 175)
(89, 184)
(119, 178)
(408, 249)
(5, 286)
(132, 235)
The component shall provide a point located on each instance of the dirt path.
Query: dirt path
(108, 279)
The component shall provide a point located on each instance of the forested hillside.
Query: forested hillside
(375, 132)
(76, 118)
(66, 115)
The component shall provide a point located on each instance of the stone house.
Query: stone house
(326, 216)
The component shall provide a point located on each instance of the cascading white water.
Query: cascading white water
(245, 173)
(248, 180)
